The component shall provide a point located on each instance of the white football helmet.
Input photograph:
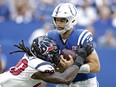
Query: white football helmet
(68, 11)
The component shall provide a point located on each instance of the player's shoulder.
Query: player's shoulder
(83, 32)
(84, 36)
(40, 65)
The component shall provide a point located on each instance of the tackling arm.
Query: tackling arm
(59, 78)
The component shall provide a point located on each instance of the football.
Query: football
(67, 52)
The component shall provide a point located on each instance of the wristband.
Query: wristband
(79, 61)
(84, 68)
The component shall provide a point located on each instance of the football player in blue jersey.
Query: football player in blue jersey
(64, 19)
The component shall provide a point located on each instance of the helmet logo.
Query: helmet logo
(50, 48)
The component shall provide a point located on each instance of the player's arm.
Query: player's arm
(59, 78)
(93, 64)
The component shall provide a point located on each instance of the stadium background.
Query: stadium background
(19, 20)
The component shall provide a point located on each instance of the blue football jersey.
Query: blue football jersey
(78, 37)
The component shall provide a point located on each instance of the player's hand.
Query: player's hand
(66, 63)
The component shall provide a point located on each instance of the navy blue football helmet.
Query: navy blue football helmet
(46, 49)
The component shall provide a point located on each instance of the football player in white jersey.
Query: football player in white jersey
(38, 63)
(65, 17)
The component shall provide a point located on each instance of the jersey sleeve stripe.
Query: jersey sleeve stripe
(81, 35)
(43, 63)
(87, 34)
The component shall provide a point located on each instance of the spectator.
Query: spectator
(23, 11)
(107, 39)
(104, 21)
(41, 13)
(4, 11)
(113, 6)
(100, 3)
(86, 14)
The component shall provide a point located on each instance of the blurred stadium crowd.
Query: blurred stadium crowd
(98, 16)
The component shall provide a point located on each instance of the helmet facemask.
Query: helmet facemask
(66, 27)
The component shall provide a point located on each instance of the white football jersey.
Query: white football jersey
(20, 75)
